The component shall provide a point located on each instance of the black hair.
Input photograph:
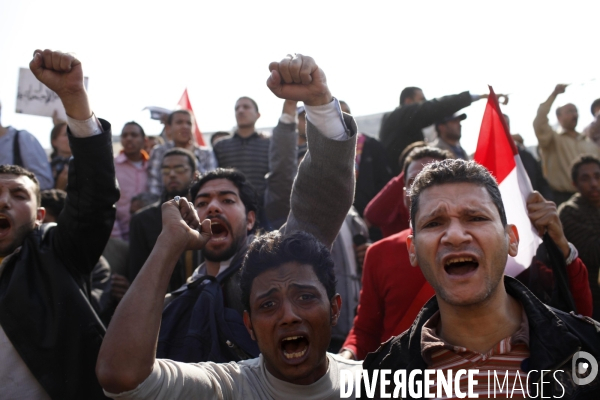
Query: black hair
(251, 100)
(8, 169)
(424, 152)
(53, 200)
(247, 193)
(136, 124)
(273, 249)
(595, 104)
(582, 160)
(407, 150)
(179, 151)
(454, 171)
(408, 93)
(170, 119)
(218, 136)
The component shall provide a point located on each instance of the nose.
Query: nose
(4, 199)
(214, 207)
(456, 234)
(288, 314)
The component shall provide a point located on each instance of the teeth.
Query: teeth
(292, 338)
(460, 259)
(215, 223)
(297, 354)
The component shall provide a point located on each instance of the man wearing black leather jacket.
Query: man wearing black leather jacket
(49, 334)
(480, 319)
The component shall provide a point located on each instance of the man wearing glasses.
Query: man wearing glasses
(177, 169)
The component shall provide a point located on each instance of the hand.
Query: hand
(182, 227)
(544, 217)
(119, 286)
(502, 99)
(299, 78)
(62, 73)
(560, 88)
(360, 252)
(347, 354)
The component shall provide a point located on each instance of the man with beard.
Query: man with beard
(449, 134)
(178, 170)
(559, 150)
(320, 198)
(49, 333)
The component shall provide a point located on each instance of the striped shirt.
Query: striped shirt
(250, 155)
(499, 369)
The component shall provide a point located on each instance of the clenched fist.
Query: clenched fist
(62, 73)
(299, 78)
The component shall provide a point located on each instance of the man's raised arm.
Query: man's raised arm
(324, 187)
(128, 351)
(86, 222)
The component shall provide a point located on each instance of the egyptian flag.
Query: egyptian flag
(185, 104)
(498, 153)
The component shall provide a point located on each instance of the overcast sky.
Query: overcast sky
(141, 53)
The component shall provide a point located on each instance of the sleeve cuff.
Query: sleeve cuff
(573, 254)
(88, 127)
(328, 119)
(287, 119)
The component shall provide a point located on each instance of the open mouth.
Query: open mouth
(4, 225)
(219, 231)
(460, 265)
(294, 347)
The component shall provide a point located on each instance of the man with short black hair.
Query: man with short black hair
(131, 166)
(405, 124)
(49, 333)
(461, 241)
(321, 196)
(247, 151)
(179, 129)
(580, 216)
(178, 170)
(558, 150)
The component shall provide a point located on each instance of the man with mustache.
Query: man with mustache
(558, 150)
(321, 197)
(49, 334)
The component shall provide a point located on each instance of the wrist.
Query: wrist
(320, 100)
(77, 105)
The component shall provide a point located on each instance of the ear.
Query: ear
(513, 240)
(336, 308)
(39, 216)
(248, 325)
(412, 251)
(250, 220)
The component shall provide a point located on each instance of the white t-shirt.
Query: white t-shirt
(248, 380)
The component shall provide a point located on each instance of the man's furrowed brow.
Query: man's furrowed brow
(266, 294)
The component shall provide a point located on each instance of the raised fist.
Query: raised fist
(299, 78)
(560, 88)
(62, 73)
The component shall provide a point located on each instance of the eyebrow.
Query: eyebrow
(465, 210)
(294, 285)
(221, 193)
(173, 166)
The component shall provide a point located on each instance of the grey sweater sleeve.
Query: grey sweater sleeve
(324, 187)
(283, 166)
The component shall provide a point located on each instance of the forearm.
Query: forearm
(128, 351)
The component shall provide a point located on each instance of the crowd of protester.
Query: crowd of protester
(262, 266)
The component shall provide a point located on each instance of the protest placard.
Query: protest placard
(34, 98)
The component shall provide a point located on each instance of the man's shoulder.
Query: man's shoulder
(344, 363)
(149, 210)
(573, 206)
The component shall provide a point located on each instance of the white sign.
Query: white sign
(33, 97)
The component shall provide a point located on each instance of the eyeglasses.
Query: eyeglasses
(180, 169)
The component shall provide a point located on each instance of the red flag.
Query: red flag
(185, 104)
(497, 152)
